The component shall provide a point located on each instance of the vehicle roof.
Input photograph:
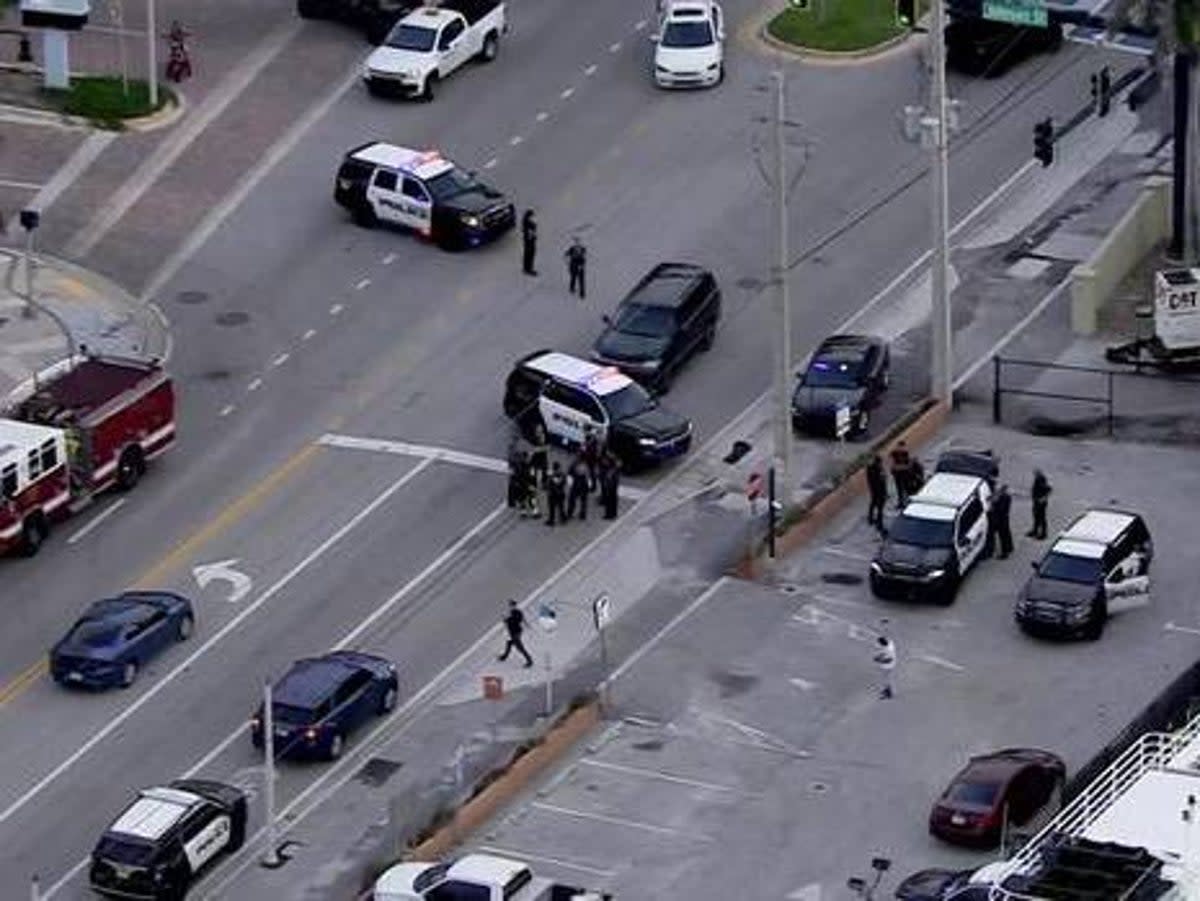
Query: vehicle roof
(118, 609)
(687, 9)
(947, 489)
(18, 437)
(1100, 526)
(599, 380)
(939, 512)
(1088, 549)
(430, 16)
(485, 868)
(424, 164)
(90, 384)
(154, 813)
(848, 343)
(666, 285)
(311, 680)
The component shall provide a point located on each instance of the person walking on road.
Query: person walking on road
(577, 267)
(1040, 493)
(998, 522)
(528, 243)
(885, 659)
(610, 482)
(514, 624)
(877, 486)
(556, 495)
(577, 491)
(901, 463)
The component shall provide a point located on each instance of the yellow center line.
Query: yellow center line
(23, 681)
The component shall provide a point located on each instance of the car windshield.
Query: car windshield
(93, 633)
(411, 37)
(982, 794)
(687, 34)
(647, 321)
(449, 183)
(829, 372)
(921, 532)
(287, 713)
(126, 851)
(1066, 568)
(629, 401)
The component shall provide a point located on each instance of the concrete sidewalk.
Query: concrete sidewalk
(100, 315)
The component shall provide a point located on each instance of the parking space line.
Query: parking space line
(849, 555)
(939, 661)
(542, 858)
(22, 185)
(616, 821)
(659, 775)
(96, 520)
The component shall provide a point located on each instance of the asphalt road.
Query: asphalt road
(290, 323)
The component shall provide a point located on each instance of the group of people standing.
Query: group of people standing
(531, 475)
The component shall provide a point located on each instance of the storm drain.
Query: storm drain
(376, 771)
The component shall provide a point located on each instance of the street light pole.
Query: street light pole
(942, 335)
(152, 53)
(783, 351)
(271, 856)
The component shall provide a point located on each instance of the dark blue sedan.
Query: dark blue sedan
(321, 700)
(115, 638)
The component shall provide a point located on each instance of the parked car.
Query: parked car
(849, 372)
(1099, 564)
(669, 315)
(321, 700)
(116, 637)
(994, 792)
(983, 464)
(937, 884)
(977, 46)
(689, 46)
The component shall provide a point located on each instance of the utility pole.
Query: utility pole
(271, 857)
(783, 349)
(941, 380)
(152, 53)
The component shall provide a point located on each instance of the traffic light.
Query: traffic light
(906, 13)
(1043, 141)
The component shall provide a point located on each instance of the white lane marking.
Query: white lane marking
(85, 154)
(802, 684)
(155, 688)
(227, 409)
(223, 210)
(616, 821)
(639, 24)
(541, 858)
(942, 662)
(388, 259)
(491, 164)
(658, 775)
(362, 283)
(438, 562)
(336, 309)
(758, 738)
(67, 877)
(254, 385)
(542, 116)
(281, 359)
(20, 185)
(658, 636)
(164, 156)
(849, 555)
(216, 752)
(515, 140)
(309, 335)
(590, 70)
(96, 520)
(566, 94)
(1171, 627)
(614, 48)
(844, 602)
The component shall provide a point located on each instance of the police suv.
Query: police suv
(156, 848)
(563, 397)
(421, 191)
(1101, 563)
(938, 536)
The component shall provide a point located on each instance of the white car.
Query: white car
(689, 45)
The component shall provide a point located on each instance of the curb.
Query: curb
(170, 113)
(516, 776)
(832, 57)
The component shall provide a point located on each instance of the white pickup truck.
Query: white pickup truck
(477, 877)
(431, 42)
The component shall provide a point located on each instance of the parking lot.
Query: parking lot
(723, 764)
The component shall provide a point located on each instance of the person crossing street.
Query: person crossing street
(528, 243)
(514, 625)
(577, 267)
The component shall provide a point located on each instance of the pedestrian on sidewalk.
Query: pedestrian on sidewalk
(877, 486)
(885, 659)
(609, 477)
(577, 492)
(1040, 494)
(528, 243)
(998, 522)
(901, 463)
(576, 256)
(556, 495)
(514, 624)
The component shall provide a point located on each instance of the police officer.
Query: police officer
(516, 475)
(1040, 494)
(556, 495)
(514, 625)
(998, 521)
(577, 494)
(901, 462)
(609, 477)
(539, 456)
(528, 243)
(576, 265)
(877, 486)
(591, 452)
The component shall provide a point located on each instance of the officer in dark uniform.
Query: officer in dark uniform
(998, 521)
(556, 495)
(1040, 494)
(528, 243)
(877, 486)
(610, 483)
(577, 493)
(576, 267)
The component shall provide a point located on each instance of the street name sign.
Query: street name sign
(1016, 12)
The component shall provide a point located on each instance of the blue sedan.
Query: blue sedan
(115, 637)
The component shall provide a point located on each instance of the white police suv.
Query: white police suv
(689, 47)
(564, 397)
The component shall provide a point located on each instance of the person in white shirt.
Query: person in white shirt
(885, 659)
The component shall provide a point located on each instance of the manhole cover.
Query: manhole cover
(233, 317)
(818, 787)
(652, 745)
(733, 683)
(841, 578)
(192, 297)
(789, 588)
(376, 771)
(749, 283)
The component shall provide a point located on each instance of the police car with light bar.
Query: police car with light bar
(422, 191)
(160, 843)
(565, 397)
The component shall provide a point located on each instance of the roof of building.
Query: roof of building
(597, 379)
(154, 812)
(424, 164)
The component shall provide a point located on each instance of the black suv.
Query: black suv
(1100, 562)
(160, 843)
(668, 316)
(847, 372)
(564, 397)
(374, 17)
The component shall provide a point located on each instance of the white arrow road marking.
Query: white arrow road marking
(223, 571)
(810, 892)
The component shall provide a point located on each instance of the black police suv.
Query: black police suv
(374, 17)
(668, 316)
(848, 372)
(162, 841)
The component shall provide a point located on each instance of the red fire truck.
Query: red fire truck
(84, 426)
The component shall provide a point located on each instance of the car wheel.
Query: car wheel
(131, 468)
(129, 674)
(185, 629)
(430, 89)
(365, 217)
(388, 702)
(710, 336)
(721, 73)
(310, 9)
(949, 591)
(491, 47)
(33, 534)
(337, 744)
(1095, 625)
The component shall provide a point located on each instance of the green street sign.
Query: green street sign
(1016, 12)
